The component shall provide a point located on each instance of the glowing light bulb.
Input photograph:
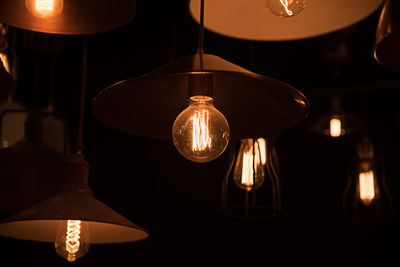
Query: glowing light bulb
(45, 8)
(286, 8)
(366, 188)
(249, 171)
(335, 129)
(200, 133)
(72, 241)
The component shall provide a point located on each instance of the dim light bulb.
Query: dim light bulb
(45, 8)
(366, 183)
(6, 64)
(286, 8)
(249, 171)
(335, 127)
(200, 132)
(72, 240)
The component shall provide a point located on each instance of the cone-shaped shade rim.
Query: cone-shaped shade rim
(40, 223)
(254, 105)
(386, 48)
(77, 17)
(251, 20)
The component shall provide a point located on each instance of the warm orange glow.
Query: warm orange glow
(4, 59)
(367, 187)
(285, 4)
(263, 150)
(72, 240)
(201, 135)
(45, 8)
(248, 168)
(335, 127)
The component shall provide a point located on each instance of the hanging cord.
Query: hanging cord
(79, 141)
(200, 49)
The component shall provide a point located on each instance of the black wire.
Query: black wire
(201, 31)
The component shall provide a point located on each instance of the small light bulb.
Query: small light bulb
(200, 132)
(45, 8)
(335, 129)
(286, 8)
(366, 185)
(72, 241)
(249, 171)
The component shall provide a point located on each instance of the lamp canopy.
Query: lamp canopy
(40, 222)
(254, 105)
(251, 20)
(386, 49)
(77, 17)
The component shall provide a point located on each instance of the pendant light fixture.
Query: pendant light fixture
(73, 219)
(67, 16)
(386, 48)
(336, 122)
(251, 188)
(366, 198)
(253, 105)
(252, 20)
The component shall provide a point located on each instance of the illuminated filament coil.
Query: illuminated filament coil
(249, 162)
(285, 4)
(367, 187)
(201, 135)
(44, 6)
(335, 127)
(73, 236)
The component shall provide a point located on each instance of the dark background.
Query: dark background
(151, 184)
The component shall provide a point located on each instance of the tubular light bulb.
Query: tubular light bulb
(286, 8)
(366, 188)
(335, 129)
(72, 241)
(249, 168)
(45, 8)
(200, 133)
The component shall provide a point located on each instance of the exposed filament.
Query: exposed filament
(285, 4)
(367, 187)
(45, 6)
(72, 240)
(201, 135)
(247, 171)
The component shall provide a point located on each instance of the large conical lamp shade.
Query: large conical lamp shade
(75, 17)
(386, 49)
(40, 223)
(254, 105)
(251, 20)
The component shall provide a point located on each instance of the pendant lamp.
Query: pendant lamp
(67, 16)
(386, 48)
(253, 105)
(73, 219)
(252, 20)
(251, 188)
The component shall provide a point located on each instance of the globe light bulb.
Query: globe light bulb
(366, 184)
(45, 8)
(200, 132)
(249, 171)
(72, 241)
(286, 8)
(335, 127)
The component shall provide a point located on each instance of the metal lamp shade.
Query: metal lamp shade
(40, 222)
(77, 17)
(251, 20)
(386, 49)
(254, 105)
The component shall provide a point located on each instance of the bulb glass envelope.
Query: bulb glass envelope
(40, 222)
(251, 20)
(253, 105)
(77, 17)
(386, 49)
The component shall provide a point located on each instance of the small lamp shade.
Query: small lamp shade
(386, 49)
(254, 105)
(251, 20)
(72, 16)
(40, 222)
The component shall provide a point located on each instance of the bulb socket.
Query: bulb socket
(201, 84)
